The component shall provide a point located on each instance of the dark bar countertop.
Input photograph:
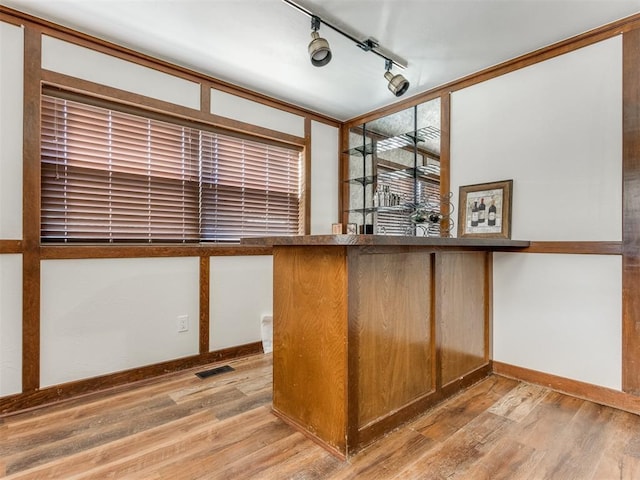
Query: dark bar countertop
(386, 240)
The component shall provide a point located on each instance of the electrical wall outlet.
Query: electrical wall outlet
(183, 323)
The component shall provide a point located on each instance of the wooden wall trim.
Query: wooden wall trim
(631, 212)
(10, 246)
(343, 174)
(586, 248)
(205, 98)
(593, 393)
(306, 194)
(205, 302)
(99, 45)
(445, 154)
(31, 213)
(140, 102)
(65, 252)
(79, 85)
(117, 251)
(120, 380)
(33, 252)
(10, 18)
(271, 102)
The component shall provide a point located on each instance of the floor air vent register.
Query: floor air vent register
(215, 371)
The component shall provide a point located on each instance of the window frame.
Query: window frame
(203, 121)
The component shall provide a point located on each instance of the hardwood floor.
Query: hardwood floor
(221, 427)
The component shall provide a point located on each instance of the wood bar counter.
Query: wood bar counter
(369, 330)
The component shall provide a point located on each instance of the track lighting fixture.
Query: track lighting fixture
(320, 53)
(397, 83)
(319, 50)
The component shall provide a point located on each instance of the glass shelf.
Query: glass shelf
(408, 139)
(428, 171)
(368, 180)
(363, 150)
(394, 209)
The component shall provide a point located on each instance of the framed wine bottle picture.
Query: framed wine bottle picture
(484, 210)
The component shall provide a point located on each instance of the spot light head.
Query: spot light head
(319, 50)
(397, 83)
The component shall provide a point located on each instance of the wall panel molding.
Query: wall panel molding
(594, 248)
(33, 253)
(31, 213)
(631, 213)
(575, 388)
(120, 380)
(10, 246)
(205, 302)
(306, 193)
(102, 46)
(62, 252)
(151, 105)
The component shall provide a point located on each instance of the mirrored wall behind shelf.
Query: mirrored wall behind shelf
(394, 172)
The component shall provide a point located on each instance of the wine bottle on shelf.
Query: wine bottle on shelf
(474, 214)
(492, 214)
(481, 212)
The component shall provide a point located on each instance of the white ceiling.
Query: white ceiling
(262, 44)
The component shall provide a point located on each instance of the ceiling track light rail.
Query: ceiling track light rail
(320, 52)
(369, 44)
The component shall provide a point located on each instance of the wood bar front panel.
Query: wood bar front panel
(461, 312)
(310, 340)
(391, 319)
(366, 337)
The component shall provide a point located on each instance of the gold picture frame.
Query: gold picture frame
(484, 210)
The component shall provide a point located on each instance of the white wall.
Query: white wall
(11, 68)
(104, 315)
(64, 57)
(11, 88)
(238, 108)
(560, 314)
(325, 172)
(555, 128)
(241, 293)
(10, 324)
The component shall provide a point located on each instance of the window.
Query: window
(111, 176)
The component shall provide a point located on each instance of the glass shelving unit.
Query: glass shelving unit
(394, 167)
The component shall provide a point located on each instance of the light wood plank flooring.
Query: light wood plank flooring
(221, 427)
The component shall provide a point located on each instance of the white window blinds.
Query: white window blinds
(110, 176)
